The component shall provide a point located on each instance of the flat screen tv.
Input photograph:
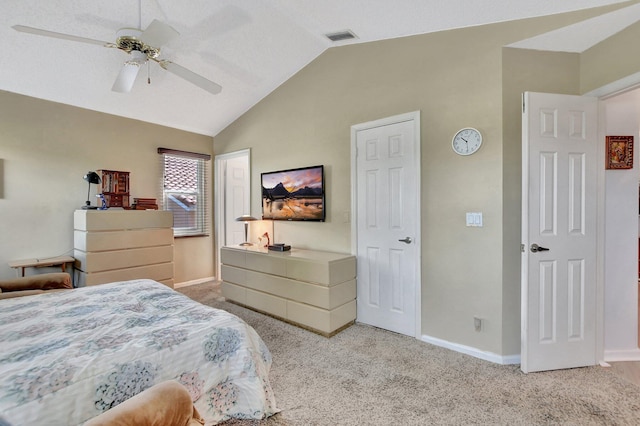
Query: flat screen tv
(294, 194)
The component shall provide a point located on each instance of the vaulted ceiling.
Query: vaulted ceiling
(249, 47)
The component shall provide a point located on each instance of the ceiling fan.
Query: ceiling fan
(143, 46)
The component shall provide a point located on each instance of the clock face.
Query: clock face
(466, 141)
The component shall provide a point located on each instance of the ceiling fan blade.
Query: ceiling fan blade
(191, 77)
(158, 34)
(126, 77)
(45, 33)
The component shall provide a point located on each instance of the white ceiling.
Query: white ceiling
(249, 47)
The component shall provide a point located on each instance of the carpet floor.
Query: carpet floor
(368, 376)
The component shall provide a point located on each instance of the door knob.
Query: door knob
(536, 248)
(406, 240)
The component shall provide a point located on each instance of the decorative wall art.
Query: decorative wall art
(619, 152)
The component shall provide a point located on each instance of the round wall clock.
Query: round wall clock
(466, 141)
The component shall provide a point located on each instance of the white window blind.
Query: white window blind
(184, 191)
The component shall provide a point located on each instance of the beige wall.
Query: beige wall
(455, 79)
(45, 150)
(611, 60)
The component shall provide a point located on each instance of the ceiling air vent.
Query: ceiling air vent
(341, 36)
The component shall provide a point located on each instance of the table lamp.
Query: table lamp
(246, 219)
(91, 177)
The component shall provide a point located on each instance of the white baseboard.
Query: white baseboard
(609, 355)
(622, 355)
(474, 352)
(193, 282)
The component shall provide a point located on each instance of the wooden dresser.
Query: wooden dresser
(119, 245)
(312, 289)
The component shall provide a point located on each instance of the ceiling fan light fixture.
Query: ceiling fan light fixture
(141, 45)
(138, 57)
(126, 77)
(128, 40)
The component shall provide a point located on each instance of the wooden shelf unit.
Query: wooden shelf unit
(115, 187)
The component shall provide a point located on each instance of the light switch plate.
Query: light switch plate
(474, 219)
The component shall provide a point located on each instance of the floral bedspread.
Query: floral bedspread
(66, 357)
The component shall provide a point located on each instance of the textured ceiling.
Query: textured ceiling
(250, 47)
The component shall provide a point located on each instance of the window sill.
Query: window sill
(191, 236)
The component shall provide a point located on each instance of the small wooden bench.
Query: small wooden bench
(20, 265)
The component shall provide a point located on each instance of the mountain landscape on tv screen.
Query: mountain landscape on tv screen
(302, 204)
(280, 192)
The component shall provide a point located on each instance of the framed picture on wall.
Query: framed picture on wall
(619, 153)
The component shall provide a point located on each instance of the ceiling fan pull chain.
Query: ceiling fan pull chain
(148, 73)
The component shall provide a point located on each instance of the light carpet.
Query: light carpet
(367, 376)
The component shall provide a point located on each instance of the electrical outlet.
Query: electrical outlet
(477, 323)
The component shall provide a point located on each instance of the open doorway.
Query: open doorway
(621, 117)
(231, 198)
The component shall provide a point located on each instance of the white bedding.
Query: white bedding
(66, 357)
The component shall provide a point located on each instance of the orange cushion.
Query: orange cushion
(54, 280)
(165, 404)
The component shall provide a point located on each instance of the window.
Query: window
(184, 191)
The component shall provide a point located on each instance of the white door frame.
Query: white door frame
(607, 91)
(600, 233)
(219, 199)
(410, 116)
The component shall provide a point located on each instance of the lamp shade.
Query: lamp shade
(246, 219)
(92, 177)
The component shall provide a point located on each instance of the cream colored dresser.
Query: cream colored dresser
(313, 289)
(119, 245)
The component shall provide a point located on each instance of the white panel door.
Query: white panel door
(387, 186)
(236, 198)
(559, 232)
(231, 198)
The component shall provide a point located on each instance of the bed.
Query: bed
(66, 357)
